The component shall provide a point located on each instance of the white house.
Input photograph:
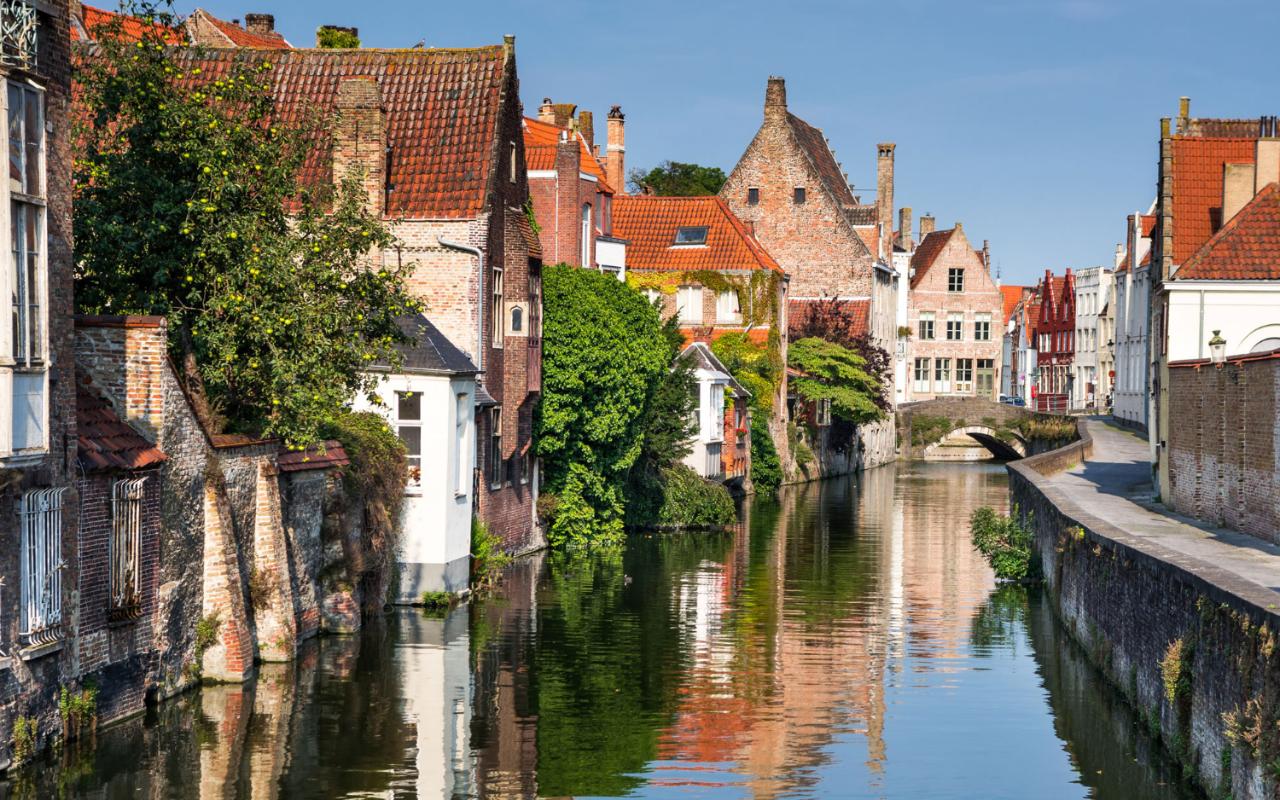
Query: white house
(1129, 402)
(430, 401)
(1093, 290)
(715, 385)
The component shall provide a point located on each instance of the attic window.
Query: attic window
(753, 196)
(691, 235)
(799, 195)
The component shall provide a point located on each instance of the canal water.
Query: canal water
(845, 641)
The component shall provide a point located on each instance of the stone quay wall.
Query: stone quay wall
(1191, 646)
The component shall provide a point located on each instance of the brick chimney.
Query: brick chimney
(884, 196)
(1238, 182)
(587, 127)
(904, 228)
(568, 232)
(260, 23)
(360, 139)
(927, 225)
(1184, 113)
(563, 114)
(986, 254)
(775, 99)
(547, 111)
(616, 151)
(1267, 158)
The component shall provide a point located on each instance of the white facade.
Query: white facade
(1246, 312)
(435, 412)
(1132, 309)
(611, 256)
(715, 386)
(1093, 289)
(902, 352)
(434, 664)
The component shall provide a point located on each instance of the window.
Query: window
(495, 447)
(40, 522)
(942, 375)
(126, 547)
(517, 319)
(964, 375)
(587, 235)
(26, 268)
(982, 328)
(526, 467)
(606, 214)
(955, 279)
(753, 196)
(691, 235)
(462, 450)
(822, 412)
(921, 376)
(514, 166)
(728, 310)
(497, 307)
(409, 428)
(716, 433)
(926, 325)
(689, 305)
(955, 327)
(798, 197)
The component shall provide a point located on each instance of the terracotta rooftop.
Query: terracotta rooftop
(540, 142)
(1247, 248)
(131, 28)
(1011, 295)
(442, 108)
(649, 225)
(1197, 187)
(237, 36)
(930, 247)
(104, 441)
(329, 454)
(815, 147)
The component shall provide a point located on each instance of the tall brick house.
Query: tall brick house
(438, 137)
(791, 192)
(1055, 342)
(956, 314)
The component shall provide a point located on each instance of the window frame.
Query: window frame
(461, 427)
(955, 324)
(964, 376)
(413, 482)
(40, 529)
(495, 463)
(496, 293)
(125, 547)
(929, 317)
(753, 195)
(799, 196)
(698, 234)
(588, 233)
(942, 375)
(955, 280)
(733, 317)
(981, 333)
(694, 301)
(922, 385)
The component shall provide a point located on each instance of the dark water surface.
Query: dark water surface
(846, 642)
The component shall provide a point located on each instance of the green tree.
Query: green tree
(188, 206)
(758, 367)
(330, 37)
(831, 372)
(677, 179)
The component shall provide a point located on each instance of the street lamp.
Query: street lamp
(1218, 349)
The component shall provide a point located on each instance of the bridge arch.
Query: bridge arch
(1010, 448)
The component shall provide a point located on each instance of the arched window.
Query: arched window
(517, 319)
(1266, 345)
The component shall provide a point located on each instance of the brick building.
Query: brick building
(791, 192)
(572, 198)
(955, 311)
(258, 31)
(458, 212)
(1055, 342)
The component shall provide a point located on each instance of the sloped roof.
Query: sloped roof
(1011, 295)
(328, 454)
(1198, 164)
(701, 357)
(927, 252)
(131, 28)
(237, 36)
(442, 107)
(815, 147)
(430, 351)
(649, 225)
(104, 441)
(1246, 248)
(540, 142)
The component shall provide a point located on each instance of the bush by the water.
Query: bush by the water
(1005, 543)
(691, 501)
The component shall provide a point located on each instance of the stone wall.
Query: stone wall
(1223, 443)
(969, 410)
(1192, 648)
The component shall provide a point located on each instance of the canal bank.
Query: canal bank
(1181, 618)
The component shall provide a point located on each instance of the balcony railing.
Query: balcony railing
(18, 33)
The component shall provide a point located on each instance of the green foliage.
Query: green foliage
(832, 372)
(328, 37)
(766, 468)
(79, 711)
(1175, 669)
(604, 357)
(677, 179)
(927, 429)
(438, 601)
(188, 206)
(1002, 619)
(691, 501)
(1048, 427)
(1005, 543)
(25, 732)
(207, 632)
(759, 368)
(488, 559)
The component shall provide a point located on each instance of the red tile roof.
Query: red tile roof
(330, 454)
(540, 141)
(1247, 248)
(1197, 187)
(104, 441)
(442, 107)
(131, 28)
(1011, 295)
(815, 147)
(239, 37)
(927, 252)
(649, 225)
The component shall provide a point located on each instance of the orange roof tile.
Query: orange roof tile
(442, 107)
(131, 28)
(1011, 295)
(928, 251)
(323, 456)
(104, 441)
(1246, 248)
(1197, 187)
(814, 144)
(649, 225)
(540, 142)
(239, 37)
(868, 237)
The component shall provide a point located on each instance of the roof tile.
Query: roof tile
(104, 441)
(1246, 248)
(649, 225)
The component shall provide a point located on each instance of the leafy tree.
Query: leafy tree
(677, 179)
(833, 319)
(336, 38)
(831, 372)
(188, 206)
(757, 367)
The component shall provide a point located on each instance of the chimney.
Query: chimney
(586, 127)
(986, 254)
(260, 23)
(615, 151)
(775, 99)
(927, 225)
(355, 32)
(360, 139)
(1184, 113)
(547, 112)
(1119, 255)
(568, 208)
(884, 196)
(904, 228)
(1267, 158)
(563, 113)
(1238, 182)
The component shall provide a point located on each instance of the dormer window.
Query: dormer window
(799, 195)
(691, 235)
(753, 196)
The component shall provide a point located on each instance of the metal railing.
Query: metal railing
(40, 523)
(18, 23)
(126, 547)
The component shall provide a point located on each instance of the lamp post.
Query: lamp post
(1218, 349)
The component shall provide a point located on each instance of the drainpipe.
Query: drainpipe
(480, 298)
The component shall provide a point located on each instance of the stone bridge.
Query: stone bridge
(964, 429)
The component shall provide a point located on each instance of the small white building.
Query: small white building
(1130, 401)
(716, 386)
(1093, 290)
(430, 401)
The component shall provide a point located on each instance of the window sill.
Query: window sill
(27, 458)
(32, 652)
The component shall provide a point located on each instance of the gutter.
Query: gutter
(480, 298)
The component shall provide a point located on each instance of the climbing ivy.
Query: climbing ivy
(757, 290)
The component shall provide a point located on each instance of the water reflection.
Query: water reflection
(843, 641)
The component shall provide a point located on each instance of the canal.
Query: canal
(845, 641)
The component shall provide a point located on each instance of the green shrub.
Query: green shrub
(328, 37)
(488, 559)
(691, 501)
(766, 468)
(1006, 544)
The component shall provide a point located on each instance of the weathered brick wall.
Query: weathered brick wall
(1223, 442)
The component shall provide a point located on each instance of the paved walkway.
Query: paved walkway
(1115, 484)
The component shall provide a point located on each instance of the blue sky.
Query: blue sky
(1034, 122)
